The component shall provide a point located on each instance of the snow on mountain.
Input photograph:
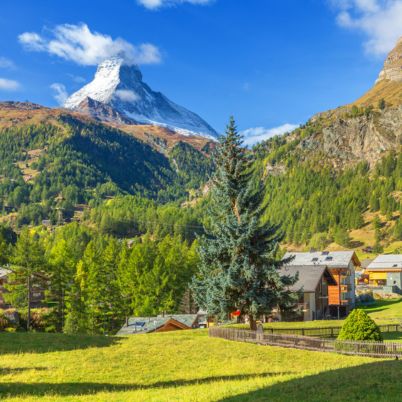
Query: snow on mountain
(118, 93)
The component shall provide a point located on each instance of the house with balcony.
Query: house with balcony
(312, 286)
(342, 266)
(385, 273)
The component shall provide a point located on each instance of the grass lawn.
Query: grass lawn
(382, 312)
(184, 366)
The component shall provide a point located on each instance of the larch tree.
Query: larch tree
(239, 268)
(28, 271)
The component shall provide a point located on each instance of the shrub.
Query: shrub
(42, 319)
(4, 323)
(359, 327)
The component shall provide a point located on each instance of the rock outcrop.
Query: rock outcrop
(392, 70)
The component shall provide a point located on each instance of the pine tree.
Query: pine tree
(28, 271)
(238, 265)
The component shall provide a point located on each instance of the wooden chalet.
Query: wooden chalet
(342, 266)
(176, 322)
(312, 284)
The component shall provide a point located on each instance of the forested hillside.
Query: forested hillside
(50, 167)
(319, 198)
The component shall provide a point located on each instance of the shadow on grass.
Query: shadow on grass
(14, 389)
(379, 381)
(22, 342)
(392, 336)
(14, 370)
(381, 305)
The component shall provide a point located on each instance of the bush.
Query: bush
(42, 319)
(4, 323)
(365, 297)
(359, 327)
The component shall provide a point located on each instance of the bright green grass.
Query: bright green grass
(382, 312)
(184, 366)
(189, 366)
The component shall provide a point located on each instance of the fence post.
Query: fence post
(260, 333)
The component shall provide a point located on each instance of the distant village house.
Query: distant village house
(163, 323)
(385, 272)
(312, 284)
(341, 265)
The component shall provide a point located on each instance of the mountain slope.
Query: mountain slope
(337, 180)
(118, 94)
(363, 131)
(53, 160)
(389, 83)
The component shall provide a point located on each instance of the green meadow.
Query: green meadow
(189, 366)
(183, 366)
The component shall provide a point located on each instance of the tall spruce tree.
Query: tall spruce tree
(238, 267)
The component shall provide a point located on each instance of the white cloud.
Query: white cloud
(60, 92)
(6, 63)
(155, 4)
(9, 85)
(379, 20)
(79, 44)
(255, 135)
(126, 95)
(77, 78)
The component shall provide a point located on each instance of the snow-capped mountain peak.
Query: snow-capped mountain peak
(120, 89)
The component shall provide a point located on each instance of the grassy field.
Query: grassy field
(183, 366)
(189, 366)
(382, 312)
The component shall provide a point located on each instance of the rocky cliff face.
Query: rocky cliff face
(393, 65)
(349, 140)
(365, 130)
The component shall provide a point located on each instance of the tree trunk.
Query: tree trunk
(253, 323)
(29, 303)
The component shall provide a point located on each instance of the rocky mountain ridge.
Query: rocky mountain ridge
(118, 94)
(362, 131)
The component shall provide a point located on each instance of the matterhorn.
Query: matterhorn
(117, 94)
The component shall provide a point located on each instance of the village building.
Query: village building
(385, 273)
(312, 285)
(3, 280)
(37, 291)
(342, 266)
(163, 323)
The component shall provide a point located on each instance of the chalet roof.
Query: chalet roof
(331, 259)
(386, 261)
(144, 325)
(309, 276)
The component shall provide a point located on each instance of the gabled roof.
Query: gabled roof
(386, 261)
(144, 325)
(331, 259)
(309, 276)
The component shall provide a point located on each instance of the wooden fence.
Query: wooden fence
(325, 332)
(371, 349)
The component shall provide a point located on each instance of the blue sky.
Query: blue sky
(267, 62)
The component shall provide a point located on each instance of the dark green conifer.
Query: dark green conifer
(239, 267)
